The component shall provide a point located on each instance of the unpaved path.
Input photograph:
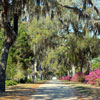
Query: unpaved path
(54, 90)
(19, 92)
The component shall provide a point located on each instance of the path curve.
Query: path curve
(54, 90)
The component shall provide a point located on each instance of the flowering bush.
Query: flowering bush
(65, 78)
(93, 77)
(78, 77)
(62, 78)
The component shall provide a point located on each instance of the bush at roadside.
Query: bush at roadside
(65, 78)
(78, 77)
(29, 80)
(11, 82)
(93, 77)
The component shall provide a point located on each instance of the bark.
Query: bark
(32, 73)
(73, 70)
(3, 64)
(81, 68)
(35, 71)
(88, 68)
(10, 35)
(41, 76)
(26, 75)
(34, 77)
(68, 72)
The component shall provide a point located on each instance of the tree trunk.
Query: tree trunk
(26, 75)
(34, 70)
(41, 76)
(10, 36)
(73, 70)
(68, 72)
(32, 73)
(88, 68)
(81, 68)
(3, 63)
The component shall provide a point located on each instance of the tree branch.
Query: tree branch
(77, 11)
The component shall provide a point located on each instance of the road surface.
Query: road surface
(54, 90)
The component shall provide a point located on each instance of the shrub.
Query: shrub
(11, 82)
(65, 78)
(93, 77)
(62, 78)
(78, 77)
(29, 80)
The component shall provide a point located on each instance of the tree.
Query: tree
(43, 36)
(10, 12)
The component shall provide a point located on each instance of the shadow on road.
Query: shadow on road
(55, 90)
(19, 92)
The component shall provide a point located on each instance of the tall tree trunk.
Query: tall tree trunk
(32, 73)
(81, 68)
(41, 76)
(73, 69)
(88, 68)
(26, 75)
(10, 36)
(3, 63)
(35, 70)
(68, 72)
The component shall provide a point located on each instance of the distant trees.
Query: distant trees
(76, 55)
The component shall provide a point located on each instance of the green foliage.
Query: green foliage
(11, 69)
(29, 80)
(1, 39)
(11, 82)
(96, 63)
(20, 55)
(42, 42)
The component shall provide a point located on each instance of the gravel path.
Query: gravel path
(54, 90)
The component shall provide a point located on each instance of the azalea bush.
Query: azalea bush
(93, 77)
(65, 78)
(62, 78)
(78, 77)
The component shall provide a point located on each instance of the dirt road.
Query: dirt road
(54, 90)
